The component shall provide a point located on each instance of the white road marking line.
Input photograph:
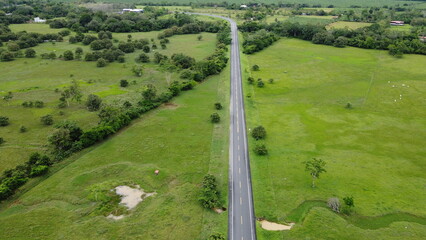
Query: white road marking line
(240, 184)
(238, 137)
(239, 170)
(241, 201)
(241, 220)
(238, 147)
(239, 159)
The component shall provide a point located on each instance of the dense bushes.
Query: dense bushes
(210, 196)
(12, 179)
(257, 41)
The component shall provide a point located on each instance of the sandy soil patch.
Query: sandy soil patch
(130, 197)
(271, 226)
(170, 105)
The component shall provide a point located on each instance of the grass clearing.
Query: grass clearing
(350, 25)
(34, 27)
(374, 152)
(36, 79)
(180, 142)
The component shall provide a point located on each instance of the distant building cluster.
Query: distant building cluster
(128, 10)
(397, 23)
(39, 20)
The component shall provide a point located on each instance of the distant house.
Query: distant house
(243, 6)
(39, 20)
(422, 38)
(397, 23)
(127, 10)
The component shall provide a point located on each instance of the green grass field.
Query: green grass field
(374, 152)
(350, 25)
(34, 27)
(178, 139)
(37, 79)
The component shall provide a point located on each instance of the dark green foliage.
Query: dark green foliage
(255, 67)
(101, 62)
(4, 121)
(348, 106)
(340, 42)
(260, 83)
(257, 41)
(215, 118)
(126, 47)
(143, 57)
(65, 136)
(158, 57)
(149, 93)
(182, 61)
(218, 106)
(30, 53)
(271, 80)
(250, 80)
(13, 46)
(68, 55)
(88, 39)
(349, 201)
(186, 74)
(217, 236)
(175, 88)
(137, 70)
(146, 49)
(124, 83)
(47, 119)
(1, 140)
(6, 56)
(93, 102)
(258, 133)
(260, 149)
(210, 196)
(22, 129)
(38, 170)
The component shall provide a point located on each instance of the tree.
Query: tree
(13, 46)
(215, 118)
(260, 149)
(210, 197)
(8, 97)
(30, 53)
(72, 92)
(260, 83)
(146, 49)
(137, 70)
(68, 55)
(101, 62)
(47, 119)
(149, 93)
(218, 106)
(255, 67)
(93, 102)
(258, 132)
(4, 121)
(126, 47)
(199, 37)
(124, 83)
(250, 80)
(340, 42)
(315, 167)
(22, 129)
(6, 56)
(65, 135)
(143, 57)
(395, 51)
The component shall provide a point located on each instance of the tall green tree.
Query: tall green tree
(315, 167)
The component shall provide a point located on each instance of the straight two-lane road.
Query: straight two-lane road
(242, 225)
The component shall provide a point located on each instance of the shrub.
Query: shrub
(218, 106)
(39, 170)
(255, 67)
(101, 62)
(250, 80)
(22, 129)
(271, 80)
(334, 204)
(38, 104)
(124, 83)
(4, 121)
(1, 140)
(209, 193)
(68, 55)
(348, 106)
(93, 102)
(215, 118)
(260, 149)
(258, 132)
(143, 57)
(47, 119)
(186, 74)
(217, 236)
(260, 83)
(6, 56)
(349, 201)
(30, 53)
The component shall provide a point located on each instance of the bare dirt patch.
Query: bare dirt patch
(170, 106)
(271, 226)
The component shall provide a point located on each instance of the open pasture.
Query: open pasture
(35, 79)
(374, 150)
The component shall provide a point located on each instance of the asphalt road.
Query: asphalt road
(242, 225)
